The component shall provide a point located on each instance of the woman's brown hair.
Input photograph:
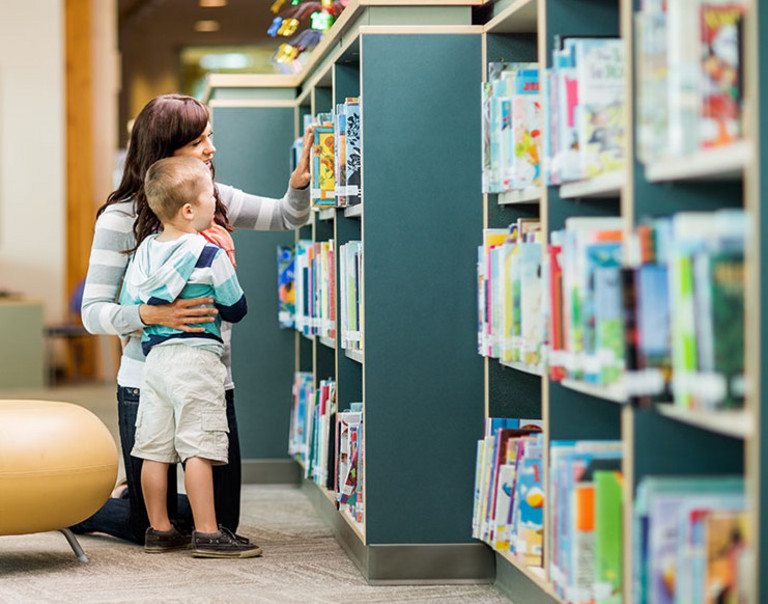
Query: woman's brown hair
(165, 124)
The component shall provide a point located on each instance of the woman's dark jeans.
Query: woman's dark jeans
(126, 517)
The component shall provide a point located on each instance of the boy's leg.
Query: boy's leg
(154, 484)
(199, 482)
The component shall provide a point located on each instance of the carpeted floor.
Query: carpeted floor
(302, 561)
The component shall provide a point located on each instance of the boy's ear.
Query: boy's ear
(187, 211)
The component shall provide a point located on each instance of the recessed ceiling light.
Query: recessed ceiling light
(207, 25)
(212, 3)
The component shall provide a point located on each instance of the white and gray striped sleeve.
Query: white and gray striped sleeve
(247, 211)
(106, 267)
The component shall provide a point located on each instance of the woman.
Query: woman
(168, 125)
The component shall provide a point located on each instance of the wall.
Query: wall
(32, 180)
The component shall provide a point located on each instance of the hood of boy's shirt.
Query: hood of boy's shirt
(161, 269)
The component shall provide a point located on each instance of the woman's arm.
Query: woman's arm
(267, 214)
(100, 313)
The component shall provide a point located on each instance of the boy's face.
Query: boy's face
(205, 206)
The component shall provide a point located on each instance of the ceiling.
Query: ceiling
(242, 21)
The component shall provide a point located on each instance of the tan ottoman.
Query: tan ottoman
(58, 465)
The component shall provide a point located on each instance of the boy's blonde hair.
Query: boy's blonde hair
(173, 181)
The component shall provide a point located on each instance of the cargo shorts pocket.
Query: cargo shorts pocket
(215, 422)
(215, 434)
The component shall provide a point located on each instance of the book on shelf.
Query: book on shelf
(601, 98)
(323, 186)
(510, 127)
(690, 79)
(340, 154)
(586, 90)
(302, 391)
(286, 291)
(573, 526)
(497, 459)
(353, 190)
(670, 559)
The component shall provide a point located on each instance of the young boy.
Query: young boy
(182, 413)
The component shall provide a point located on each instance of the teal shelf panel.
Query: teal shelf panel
(262, 353)
(664, 446)
(511, 48)
(513, 393)
(575, 415)
(347, 82)
(423, 376)
(580, 18)
(560, 209)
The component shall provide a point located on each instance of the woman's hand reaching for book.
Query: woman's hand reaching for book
(300, 176)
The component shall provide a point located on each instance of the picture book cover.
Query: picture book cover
(529, 503)
(286, 293)
(323, 174)
(600, 127)
(526, 130)
(601, 310)
(721, 72)
(352, 152)
(727, 283)
(725, 542)
(531, 319)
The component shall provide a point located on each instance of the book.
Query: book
(286, 292)
(323, 187)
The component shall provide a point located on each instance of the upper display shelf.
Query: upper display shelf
(343, 34)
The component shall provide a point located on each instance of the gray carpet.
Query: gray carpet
(302, 561)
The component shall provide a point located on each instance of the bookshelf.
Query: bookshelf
(663, 440)
(399, 59)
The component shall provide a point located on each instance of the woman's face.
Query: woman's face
(202, 147)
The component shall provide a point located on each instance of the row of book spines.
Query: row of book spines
(511, 127)
(509, 494)
(583, 500)
(559, 125)
(349, 469)
(691, 540)
(689, 77)
(350, 294)
(336, 157)
(584, 508)
(601, 317)
(328, 442)
(315, 274)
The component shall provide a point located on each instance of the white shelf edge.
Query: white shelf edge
(354, 211)
(329, 342)
(355, 355)
(613, 393)
(711, 164)
(735, 423)
(535, 573)
(326, 213)
(524, 367)
(519, 17)
(527, 195)
(606, 185)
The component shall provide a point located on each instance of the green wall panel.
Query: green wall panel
(252, 154)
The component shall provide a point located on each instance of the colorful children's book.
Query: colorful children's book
(352, 154)
(323, 172)
(286, 292)
(601, 97)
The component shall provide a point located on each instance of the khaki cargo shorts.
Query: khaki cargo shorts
(182, 410)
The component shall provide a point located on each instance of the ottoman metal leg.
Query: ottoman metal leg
(74, 544)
